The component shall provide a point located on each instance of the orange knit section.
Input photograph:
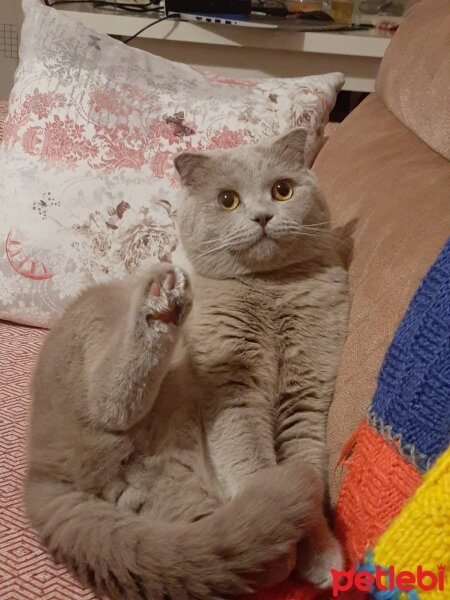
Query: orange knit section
(377, 485)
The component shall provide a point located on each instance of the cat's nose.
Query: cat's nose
(263, 219)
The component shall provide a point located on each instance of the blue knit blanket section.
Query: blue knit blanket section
(411, 405)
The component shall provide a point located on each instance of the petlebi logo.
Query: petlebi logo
(387, 582)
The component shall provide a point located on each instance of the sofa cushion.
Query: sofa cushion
(376, 171)
(413, 80)
(88, 185)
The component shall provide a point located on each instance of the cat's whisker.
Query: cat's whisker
(310, 229)
(225, 245)
(229, 239)
(298, 228)
(331, 234)
(339, 237)
(322, 235)
(220, 239)
(318, 223)
(309, 226)
(213, 250)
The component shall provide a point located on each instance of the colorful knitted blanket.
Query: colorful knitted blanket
(393, 514)
(394, 507)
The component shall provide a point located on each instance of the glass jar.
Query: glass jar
(390, 8)
(342, 11)
(305, 6)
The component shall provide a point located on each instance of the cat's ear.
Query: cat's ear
(290, 147)
(190, 166)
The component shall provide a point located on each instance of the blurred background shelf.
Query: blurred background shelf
(248, 52)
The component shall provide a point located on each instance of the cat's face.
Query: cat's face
(249, 209)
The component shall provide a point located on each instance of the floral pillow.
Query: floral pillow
(87, 180)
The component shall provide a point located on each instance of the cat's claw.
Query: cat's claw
(168, 295)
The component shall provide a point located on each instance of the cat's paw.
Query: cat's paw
(132, 499)
(113, 490)
(168, 294)
(315, 564)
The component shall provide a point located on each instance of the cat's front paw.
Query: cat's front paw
(168, 294)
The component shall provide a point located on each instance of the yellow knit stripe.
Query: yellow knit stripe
(420, 535)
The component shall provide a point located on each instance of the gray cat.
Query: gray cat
(177, 453)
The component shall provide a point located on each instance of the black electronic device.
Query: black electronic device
(235, 7)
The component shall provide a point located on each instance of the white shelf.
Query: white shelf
(356, 53)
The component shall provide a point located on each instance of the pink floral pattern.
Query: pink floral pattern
(65, 141)
(3, 114)
(227, 138)
(87, 182)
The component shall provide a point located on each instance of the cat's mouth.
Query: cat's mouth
(266, 236)
(263, 239)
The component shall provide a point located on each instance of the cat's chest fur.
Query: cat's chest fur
(256, 329)
(262, 338)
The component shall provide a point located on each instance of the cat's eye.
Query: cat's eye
(282, 190)
(229, 199)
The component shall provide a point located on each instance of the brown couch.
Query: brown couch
(387, 169)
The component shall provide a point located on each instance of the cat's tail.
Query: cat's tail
(127, 557)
